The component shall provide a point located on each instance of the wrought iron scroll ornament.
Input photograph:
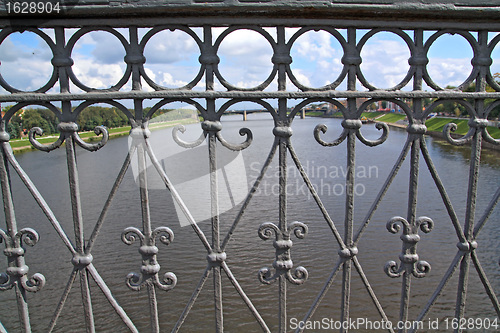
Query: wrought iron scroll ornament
(212, 127)
(148, 250)
(355, 125)
(282, 243)
(62, 46)
(80, 250)
(410, 262)
(476, 126)
(17, 271)
(350, 123)
(68, 129)
(477, 123)
(149, 274)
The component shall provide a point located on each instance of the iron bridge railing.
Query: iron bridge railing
(408, 95)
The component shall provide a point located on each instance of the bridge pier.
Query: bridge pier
(302, 114)
(245, 115)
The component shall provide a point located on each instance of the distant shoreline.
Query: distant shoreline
(91, 137)
(123, 131)
(438, 134)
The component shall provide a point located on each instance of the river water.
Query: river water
(246, 252)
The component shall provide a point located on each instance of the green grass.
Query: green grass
(437, 124)
(322, 114)
(371, 115)
(494, 132)
(392, 117)
(315, 114)
(25, 145)
(16, 143)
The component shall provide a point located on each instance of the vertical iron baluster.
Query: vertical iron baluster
(62, 60)
(11, 224)
(146, 229)
(282, 244)
(148, 250)
(475, 158)
(74, 184)
(74, 187)
(410, 264)
(214, 208)
(135, 58)
(282, 163)
(349, 212)
(214, 192)
(13, 238)
(349, 203)
(208, 57)
(146, 219)
(411, 216)
(469, 225)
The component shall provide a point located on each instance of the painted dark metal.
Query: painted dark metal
(284, 271)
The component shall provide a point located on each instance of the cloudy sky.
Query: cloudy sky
(172, 59)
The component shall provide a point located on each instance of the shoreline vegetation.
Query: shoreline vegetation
(434, 125)
(24, 145)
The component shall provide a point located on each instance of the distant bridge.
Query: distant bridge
(246, 112)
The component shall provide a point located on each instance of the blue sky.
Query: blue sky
(172, 59)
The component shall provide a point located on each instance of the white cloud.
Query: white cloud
(168, 80)
(25, 66)
(173, 75)
(316, 45)
(245, 58)
(243, 43)
(103, 46)
(99, 77)
(172, 60)
(150, 73)
(316, 59)
(167, 47)
(385, 62)
(446, 71)
(301, 77)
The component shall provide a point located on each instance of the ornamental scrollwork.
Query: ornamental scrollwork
(282, 243)
(410, 262)
(212, 127)
(355, 126)
(476, 125)
(17, 269)
(148, 250)
(68, 129)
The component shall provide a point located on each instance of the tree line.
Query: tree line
(87, 120)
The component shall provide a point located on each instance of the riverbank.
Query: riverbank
(434, 125)
(24, 145)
